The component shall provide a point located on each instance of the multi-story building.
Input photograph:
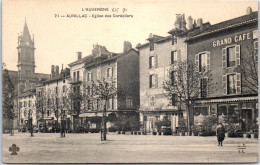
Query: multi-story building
(27, 104)
(52, 99)
(230, 50)
(157, 57)
(122, 68)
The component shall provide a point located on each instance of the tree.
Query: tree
(61, 101)
(105, 90)
(249, 68)
(41, 105)
(186, 83)
(8, 99)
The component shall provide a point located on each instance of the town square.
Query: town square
(133, 82)
(87, 148)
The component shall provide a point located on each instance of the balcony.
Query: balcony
(75, 80)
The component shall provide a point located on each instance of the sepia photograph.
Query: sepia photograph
(131, 81)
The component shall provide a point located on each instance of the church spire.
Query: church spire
(26, 34)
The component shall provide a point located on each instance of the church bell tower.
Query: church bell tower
(26, 61)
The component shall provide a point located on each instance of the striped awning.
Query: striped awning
(229, 100)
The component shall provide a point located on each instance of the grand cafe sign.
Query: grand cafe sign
(236, 38)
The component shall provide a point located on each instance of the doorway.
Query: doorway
(247, 121)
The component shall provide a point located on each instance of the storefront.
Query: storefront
(150, 120)
(242, 111)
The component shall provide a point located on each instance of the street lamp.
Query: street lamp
(30, 122)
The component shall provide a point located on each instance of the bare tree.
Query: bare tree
(249, 68)
(187, 84)
(105, 90)
(41, 105)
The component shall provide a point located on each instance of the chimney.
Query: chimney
(248, 10)
(79, 55)
(127, 46)
(183, 23)
(200, 23)
(190, 22)
(57, 72)
(52, 71)
(177, 23)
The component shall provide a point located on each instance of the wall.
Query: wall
(206, 44)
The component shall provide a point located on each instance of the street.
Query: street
(87, 148)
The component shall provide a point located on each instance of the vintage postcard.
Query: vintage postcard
(151, 81)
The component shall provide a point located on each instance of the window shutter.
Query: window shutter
(224, 84)
(179, 55)
(156, 61)
(237, 50)
(208, 61)
(256, 50)
(156, 80)
(171, 58)
(197, 62)
(224, 58)
(91, 77)
(112, 72)
(238, 82)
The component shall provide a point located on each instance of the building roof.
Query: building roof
(232, 23)
(113, 56)
(176, 32)
(26, 37)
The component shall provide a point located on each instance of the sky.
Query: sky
(57, 39)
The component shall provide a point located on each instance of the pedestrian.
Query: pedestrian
(220, 133)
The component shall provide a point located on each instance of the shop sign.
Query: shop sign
(235, 39)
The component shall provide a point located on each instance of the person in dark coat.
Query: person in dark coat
(220, 134)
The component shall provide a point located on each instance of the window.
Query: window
(174, 40)
(202, 61)
(151, 81)
(152, 101)
(56, 89)
(231, 57)
(256, 50)
(172, 77)
(63, 88)
(174, 99)
(40, 93)
(89, 105)
(25, 104)
(151, 62)
(48, 113)
(77, 75)
(203, 87)
(129, 102)
(98, 74)
(88, 90)
(20, 104)
(64, 78)
(231, 84)
(151, 46)
(29, 103)
(74, 76)
(109, 72)
(98, 104)
(89, 76)
(174, 57)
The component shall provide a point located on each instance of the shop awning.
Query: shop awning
(91, 114)
(229, 100)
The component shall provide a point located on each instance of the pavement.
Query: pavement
(88, 148)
